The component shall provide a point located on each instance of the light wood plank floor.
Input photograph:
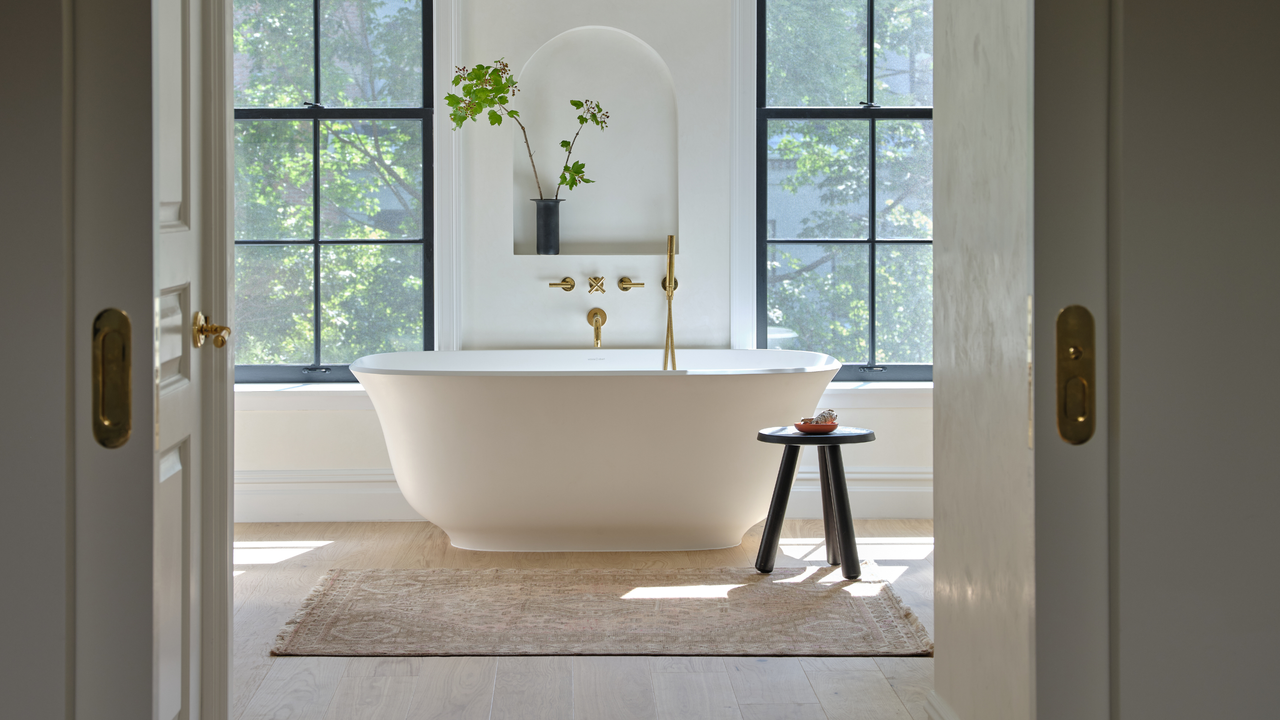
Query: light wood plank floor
(278, 563)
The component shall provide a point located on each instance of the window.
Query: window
(332, 189)
(844, 173)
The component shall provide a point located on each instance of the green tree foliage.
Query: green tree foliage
(820, 179)
(370, 181)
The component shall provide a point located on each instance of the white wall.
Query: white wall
(1195, 490)
(316, 453)
(504, 296)
(36, 431)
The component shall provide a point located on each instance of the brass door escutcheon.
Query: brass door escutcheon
(202, 327)
(112, 378)
(1077, 407)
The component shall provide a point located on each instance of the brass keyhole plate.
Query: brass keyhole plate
(1076, 375)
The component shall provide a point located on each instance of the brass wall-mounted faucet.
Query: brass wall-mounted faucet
(566, 284)
(596, 319)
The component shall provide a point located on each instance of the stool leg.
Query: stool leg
(830, 532)
(850, 567)
(777, 509)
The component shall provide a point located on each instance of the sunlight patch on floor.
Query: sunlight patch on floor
(864, 589)
(711, 592)
(271, 551)
(808, 572)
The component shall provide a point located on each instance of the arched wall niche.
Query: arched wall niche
(633, 205)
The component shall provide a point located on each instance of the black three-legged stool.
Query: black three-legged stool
(837, 519)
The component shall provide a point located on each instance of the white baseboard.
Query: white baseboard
(320, 496)
(371, 495)
(937, 709)
(874, 492)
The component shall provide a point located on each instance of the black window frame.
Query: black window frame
(316, 113)
(855, 372)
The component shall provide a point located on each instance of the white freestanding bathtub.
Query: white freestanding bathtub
(589, 450)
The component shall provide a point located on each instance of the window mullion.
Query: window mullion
(871, 52)
(871, 186)
(315, 236)
(871, 244)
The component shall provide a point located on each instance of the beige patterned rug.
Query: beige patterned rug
(701, 611)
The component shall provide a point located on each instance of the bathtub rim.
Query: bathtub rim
(360, 365)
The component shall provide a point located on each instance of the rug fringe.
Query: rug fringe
(281, 648)
(913, 620)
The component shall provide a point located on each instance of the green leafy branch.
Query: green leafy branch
(575, 174)
(488, 89)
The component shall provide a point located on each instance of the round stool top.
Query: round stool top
(839, 436)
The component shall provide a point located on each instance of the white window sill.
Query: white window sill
(283, 397)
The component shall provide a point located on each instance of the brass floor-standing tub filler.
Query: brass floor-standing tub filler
(669, 284)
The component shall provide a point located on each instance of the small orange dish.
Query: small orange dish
(816, 428)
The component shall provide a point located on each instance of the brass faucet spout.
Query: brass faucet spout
(596, 318)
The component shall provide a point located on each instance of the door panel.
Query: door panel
(142, 562)
(177, 574)
(114, 231)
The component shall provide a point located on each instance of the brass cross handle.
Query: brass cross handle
(202, 327)
(597, 285)
(625, 284)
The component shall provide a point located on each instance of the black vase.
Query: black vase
(548, 226)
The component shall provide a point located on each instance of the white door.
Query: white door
(151, 512)
(1021, 516)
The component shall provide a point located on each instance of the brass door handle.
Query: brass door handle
(1076, 375)
(625, 284)
(202, 327)
(566, 284)
(112, 378)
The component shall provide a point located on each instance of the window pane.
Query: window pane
(904, 52)
(904, 179)
(274, 305)
(818, 179)
(371, 53)
(817, 299)
(274, 64)
(816, 52)
(904, 303)
(371, 179)
(273, 180)
(370, 300)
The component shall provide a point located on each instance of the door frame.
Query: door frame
(218, 391)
